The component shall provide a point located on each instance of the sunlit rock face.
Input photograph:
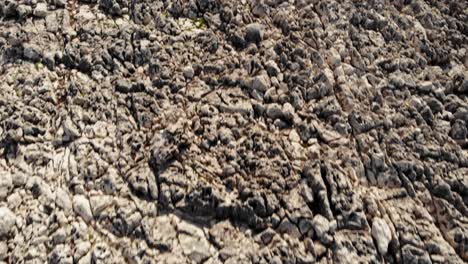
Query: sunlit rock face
(216, 131)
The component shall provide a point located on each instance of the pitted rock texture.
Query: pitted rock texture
(217, 131)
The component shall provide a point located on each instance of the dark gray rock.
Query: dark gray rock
(254, 33)
(459, 130)
(32, 52)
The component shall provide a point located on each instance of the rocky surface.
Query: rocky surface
(216, 131)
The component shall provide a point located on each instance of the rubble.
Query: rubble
(215, 131)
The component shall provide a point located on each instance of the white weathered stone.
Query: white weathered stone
(6, 184)
(81, 249)
(7, 220)
(188, 72)
(82, 208)
(260, 83)
(382, 234)
(99, 203)
(41, 10)
(321, 225)
(62, 199)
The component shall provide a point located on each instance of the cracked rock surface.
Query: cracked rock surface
(217, 131)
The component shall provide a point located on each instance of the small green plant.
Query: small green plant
(15, 76)
(38, 65)
(199, 22)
